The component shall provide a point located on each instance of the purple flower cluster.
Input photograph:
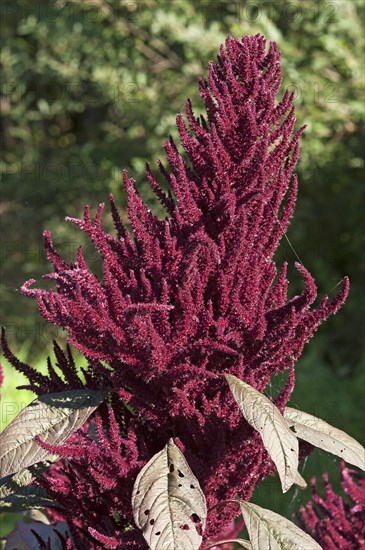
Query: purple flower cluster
(334, 522)
(182, 300)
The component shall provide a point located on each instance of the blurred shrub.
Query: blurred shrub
(92, 87)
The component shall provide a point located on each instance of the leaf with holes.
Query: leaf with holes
(279, 441)
(168, 503)
(267, 529)
(53, 417)
(326, 437)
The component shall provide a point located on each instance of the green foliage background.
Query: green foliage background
(92, 87)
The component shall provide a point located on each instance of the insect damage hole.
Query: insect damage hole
(180, 474)
(172, 468)
(198, 523)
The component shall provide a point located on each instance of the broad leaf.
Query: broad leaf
(326, 437)
(279, 441)
(53, 417)
(26, 498)
(22, 538)
(168, 503)
(14, 483)
(268, 530)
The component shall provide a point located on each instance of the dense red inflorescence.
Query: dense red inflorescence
(333, 521)
(182, 300)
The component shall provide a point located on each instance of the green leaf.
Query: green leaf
(53, 417)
